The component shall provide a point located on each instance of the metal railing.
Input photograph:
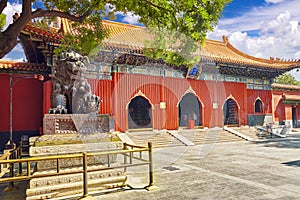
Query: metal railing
(4, 168)
(8, 166)
(128, 151)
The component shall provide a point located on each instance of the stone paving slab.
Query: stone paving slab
(238, 170)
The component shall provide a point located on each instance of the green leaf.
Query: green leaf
(183, 24)
(2, 21)
(286, 79)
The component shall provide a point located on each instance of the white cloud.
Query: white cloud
(275, 1)
(9, 11)
(254, 18)
(277, 27)
(131, 18)
(128, 17)
(17, 54)
(297, 54)
(109, 7)
(278, 36)
(218, 33)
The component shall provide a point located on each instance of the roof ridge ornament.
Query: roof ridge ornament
(225, 39)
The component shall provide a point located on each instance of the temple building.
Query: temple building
(226, 87)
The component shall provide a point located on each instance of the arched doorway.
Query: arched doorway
(139, 113)
(230, 112)
(294, 117)
(189, 108)
(258, 106)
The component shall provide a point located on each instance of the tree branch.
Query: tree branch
(55, 13)
(20, 22)
(154, 5)
(26, 8)
(3, 4)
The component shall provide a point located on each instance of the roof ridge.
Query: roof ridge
(3, 61)
(268, 61)
(8, 61)
(219, 50)
(122, 24)
(215, 41)
(285, 86)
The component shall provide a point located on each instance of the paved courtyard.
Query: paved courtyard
(238, 170)
(268, 169)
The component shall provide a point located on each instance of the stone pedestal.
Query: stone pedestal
(75, 123)
(73, 134)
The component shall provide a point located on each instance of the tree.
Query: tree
(192, 18)
(2, 20)
(286, 79)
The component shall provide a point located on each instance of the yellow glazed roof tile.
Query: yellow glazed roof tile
(134, 37)
(219, 51)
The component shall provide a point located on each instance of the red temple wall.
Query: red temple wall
(171, 90)
(117, 93)
(32, 98)
(264, 95)
(124, 89)
(4, 103)
(282, 111)
(103, 89)
(278, 107)
(27, 104)
(47, 91)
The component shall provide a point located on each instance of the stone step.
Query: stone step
(159, 143)
(238, 133)
(50, 180)
(75, 188)
(181, 138)
(124, 138)
(254, 133)
(161, 139)
(64, 185)
(199, 136)
(210, 136)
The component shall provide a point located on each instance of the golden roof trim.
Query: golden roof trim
(268, 61)
(218, 51)
(285, 86)
(122, 24)
(22, 66)
(291, 97)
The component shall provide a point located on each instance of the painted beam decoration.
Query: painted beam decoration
(194, 72)
(126, 43)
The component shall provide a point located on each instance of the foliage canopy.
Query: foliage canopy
(191, 18)
(2, 20)
(286, 79)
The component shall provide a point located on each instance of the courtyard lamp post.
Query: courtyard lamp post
(10, 144)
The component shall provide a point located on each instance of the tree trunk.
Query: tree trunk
(8, 42)
(8, 38)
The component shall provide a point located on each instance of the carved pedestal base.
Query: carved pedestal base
(74, 134)
(75, 123)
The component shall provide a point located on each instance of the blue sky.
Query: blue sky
(261, 28)
(238, 7)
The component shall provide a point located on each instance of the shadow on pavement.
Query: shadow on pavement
(290, 142)
(295, 163)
